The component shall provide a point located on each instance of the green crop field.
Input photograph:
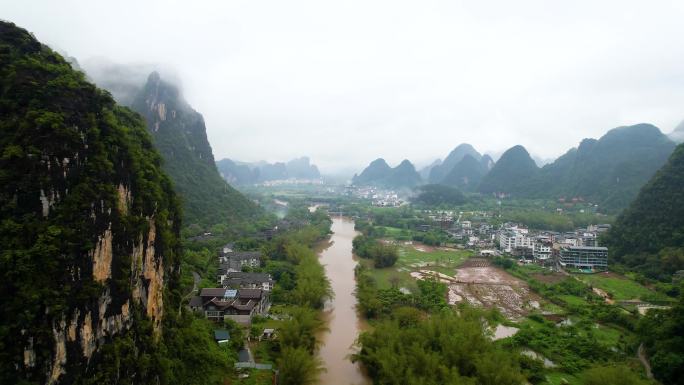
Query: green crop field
(573, 300)
(408, 255)
(621, 288)
(411, 259)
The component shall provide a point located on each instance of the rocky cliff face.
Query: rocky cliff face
(89, 220)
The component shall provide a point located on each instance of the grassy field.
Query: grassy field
(412, 259)
(257, 377)
(607, 335)
(394, 232)
(573, 300)
(559, 378)
(621, 288)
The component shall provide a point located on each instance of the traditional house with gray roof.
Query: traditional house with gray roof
(240, 305)
(236, 260)
(245, 280)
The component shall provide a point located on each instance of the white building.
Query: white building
(510, 240)
(542, 251)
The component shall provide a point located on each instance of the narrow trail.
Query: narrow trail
(641, 354)
(196, 279)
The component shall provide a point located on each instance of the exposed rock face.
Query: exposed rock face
(102, 257)
(90, 220)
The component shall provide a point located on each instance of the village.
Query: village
(481, 262)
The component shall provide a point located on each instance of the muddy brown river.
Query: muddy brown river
(343, 322)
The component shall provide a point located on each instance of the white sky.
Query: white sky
(345, 82)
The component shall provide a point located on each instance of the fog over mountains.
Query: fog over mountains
(607, 171)
(241, 173)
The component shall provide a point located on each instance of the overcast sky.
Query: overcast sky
(345, 82)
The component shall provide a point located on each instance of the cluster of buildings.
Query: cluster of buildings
(576, 249)
(476, 235)
(378, 197)
(291, 181)
(239, 295)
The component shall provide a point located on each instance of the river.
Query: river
(344, 323)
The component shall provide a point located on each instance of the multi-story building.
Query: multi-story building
(584, 257)
(514, 238)
(542, 249)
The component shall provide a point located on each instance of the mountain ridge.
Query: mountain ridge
(438, 173)
(379, 173)
(241, 173)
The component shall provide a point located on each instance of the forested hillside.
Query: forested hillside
(439, 172)
(466, 174)
(379, 173)
(511, 174)
(89, 229)
(649, 234)
(608, 171)
(180, 135)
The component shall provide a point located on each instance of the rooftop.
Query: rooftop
(241, 254)
(221, 335)
(217, 292)
(590, 248)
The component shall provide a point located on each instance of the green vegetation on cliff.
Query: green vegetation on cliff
(649, 234)
(438, 195)
(179, 133)
(511, 174)
(608, 171)
(89, 277)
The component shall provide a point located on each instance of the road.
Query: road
(641, 353)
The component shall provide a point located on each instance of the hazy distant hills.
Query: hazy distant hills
(677, 135)
(511, 173)
(438, 173)
(379, 173)
(467, 174)
(179, 133)
(608, 171)
(241, 173)
(425, 171)
(654, 221)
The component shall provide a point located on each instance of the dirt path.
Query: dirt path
(196, 279)
(644, 361)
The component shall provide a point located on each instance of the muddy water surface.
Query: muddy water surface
(344, 323)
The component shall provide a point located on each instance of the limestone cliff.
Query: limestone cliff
(90, 222)
(179, 132)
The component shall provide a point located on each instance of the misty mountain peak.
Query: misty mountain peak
(438, 173)
(154, 77)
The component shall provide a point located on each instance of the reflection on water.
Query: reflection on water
(344, 324)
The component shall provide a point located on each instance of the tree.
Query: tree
(297, 367)
(301, 329)
(611, 375)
